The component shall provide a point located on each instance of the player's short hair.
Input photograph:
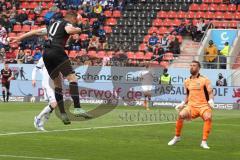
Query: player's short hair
(195, 61)
(71, 14)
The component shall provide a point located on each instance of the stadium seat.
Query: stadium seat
(92, 54)
(199, 15)
(111, 21)
(218, 15)
(190, 15)
(222, 7)
(172, 14)
(167, 22)
(168, 56)
(32, 5)
(24, 5)
(162, 30)
(162, 14)
(34, 27)
(232, 7)
(194, 7)
(213, 7)
(176, 22)
(218, 1)
(203, 7)
(83, 37)
(209, 15)
(107, 29)
(157, 22)
(17, 28)
(101, 54)
(152, 30)
(108, 13)
(142, 47)
(12, 34)
(148, 56)
(117, 14)
(146, 38)
(130, 55)
(181, 14)
(139, 55)
(26, 28)
(228, 16)
(207, 1)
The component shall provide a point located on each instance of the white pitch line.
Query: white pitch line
(27, 157)
(81, 129)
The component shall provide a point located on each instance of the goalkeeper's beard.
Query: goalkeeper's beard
(193, 73)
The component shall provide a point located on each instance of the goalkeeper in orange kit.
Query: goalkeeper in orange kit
(199, 103)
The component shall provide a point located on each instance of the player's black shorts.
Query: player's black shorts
(6, 84)
(57, 61)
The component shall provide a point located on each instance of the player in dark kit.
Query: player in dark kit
(6, 76)
(57, 62)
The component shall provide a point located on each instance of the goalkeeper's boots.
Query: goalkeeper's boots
(174, 141)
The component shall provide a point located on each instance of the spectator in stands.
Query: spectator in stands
(101, 34)
(221, 80)
(94, 43)
(103, 3)
(87, 8)
(37, 55)
(97, 10)
(75, 43)
(95, 27)
(28, 59)
(180, 30)
(153, 40)
(3, 36)
(20, 56)
(224, 53)
(12, 18)
(22, 17)
(31, 17)
(102, 18)
(38, 9)
(2, 54)
(192, 30)
(174, 46)
(158, 53)
(211, 53)
(164, 42)
(200, 29)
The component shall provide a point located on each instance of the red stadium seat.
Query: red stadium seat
(237, 15)
(101, 54)
(152, 30)
(233, 24)
(111, 22)
(203, 7)
(213, 7)
(181, 14)
(167, 22)
(25, 28)
(217, 1)
(199, 15)
(148, 55)
(83, 37)
(50, 4)
(24, 5)
(190, 15)
(139, 55)
(17, 28)
(162, 30)
(12, 34)
(228, 15)
(142, 47)
(157, 22)
(209, 15)
(222, 7)
(34, 27)
(232, 7)
(33, 5)
(92, 54)
(107, 29)
(218, 15)
(146, 38)
(194, 7)
(131, 55)
(207, 1)
(172, 14)
(107, 13)
(117, 14)
(176, 22)
(162, 14)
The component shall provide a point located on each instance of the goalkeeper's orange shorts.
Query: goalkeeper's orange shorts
(195, 112)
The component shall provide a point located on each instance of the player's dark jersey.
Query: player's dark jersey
(6, 74)
(57, 34)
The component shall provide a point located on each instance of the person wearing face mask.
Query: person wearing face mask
(221, 80)
(165, 78)
(211, 53)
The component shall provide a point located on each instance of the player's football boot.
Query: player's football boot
(65, 118)
(37, 124)
(204, 145)
(174, 141)
(79, 112)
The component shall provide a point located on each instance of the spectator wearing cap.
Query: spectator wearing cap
(211, 53)
(152, 42)
(224, 53)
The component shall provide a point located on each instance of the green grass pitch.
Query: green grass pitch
(134, 142)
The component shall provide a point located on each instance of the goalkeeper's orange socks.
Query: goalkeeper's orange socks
(179, 125)
(206, 129)
(146, 104)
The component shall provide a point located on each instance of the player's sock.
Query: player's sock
(47, 109)
(145, 103)
(59, 98)
(179, 125)
(8, 96)
(206, 129)
(3, 93)
(73, 86)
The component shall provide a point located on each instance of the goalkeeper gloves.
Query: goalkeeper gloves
(211, 103)
(180, 106)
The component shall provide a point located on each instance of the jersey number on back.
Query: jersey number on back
(54, 27)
